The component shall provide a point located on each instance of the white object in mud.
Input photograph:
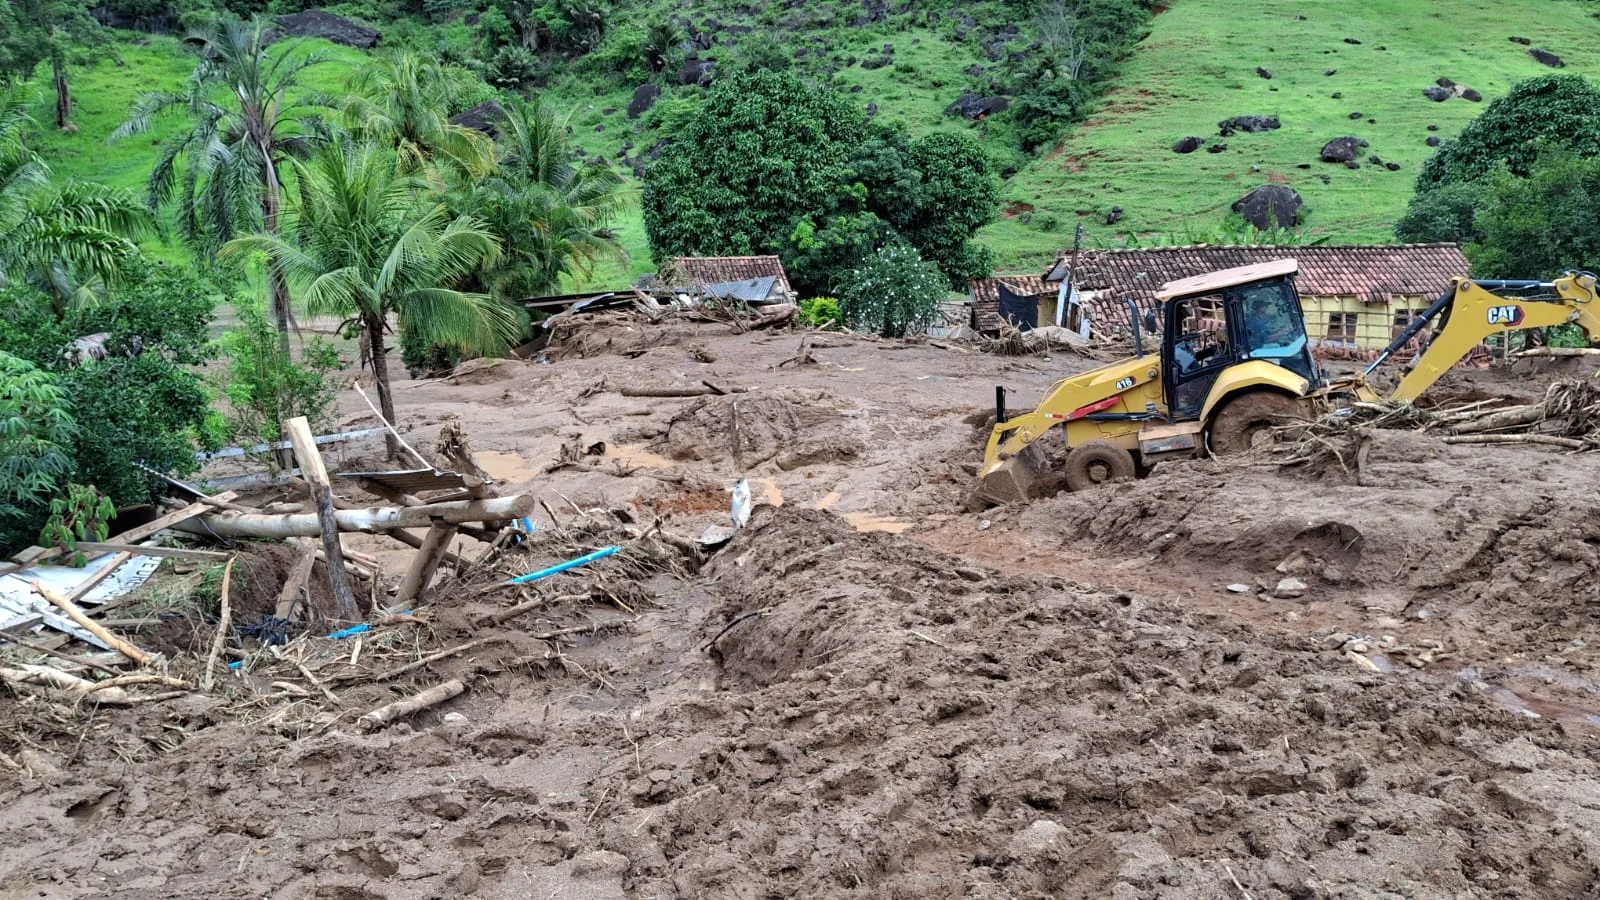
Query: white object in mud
(741, 504)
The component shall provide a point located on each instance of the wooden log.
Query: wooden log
(694, 390)
(1515, 417)
(316, 475)
(1550, 439)
(1557, 352)
(224, 622)
(424, 564)
(373, 520)
(399, 709)
(87, 624)
(415, 543)
(299, 573)
(44, 676)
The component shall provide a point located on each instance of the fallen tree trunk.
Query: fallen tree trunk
(374, 520)
(696, 390)
(399, 709)
(1557, 352)
(1550, 439)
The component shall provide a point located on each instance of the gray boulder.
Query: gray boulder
(1437, 94)
(644, 97)
(1341, 149)
(1548, 58)
(1188, 145)
(484, 117)
(315, 23)
(696, 71)
(976, 106)
(1270, 206)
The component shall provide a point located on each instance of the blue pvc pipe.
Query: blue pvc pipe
(602, 553)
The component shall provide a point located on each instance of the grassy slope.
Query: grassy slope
(1198, 67)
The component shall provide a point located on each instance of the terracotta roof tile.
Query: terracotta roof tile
(1373, 273)
(689, 271)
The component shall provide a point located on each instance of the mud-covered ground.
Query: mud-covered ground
(871, 692)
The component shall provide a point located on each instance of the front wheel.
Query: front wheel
(1246, 423)
(1097, 462)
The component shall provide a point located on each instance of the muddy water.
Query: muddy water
(506, 466)
(638, 457)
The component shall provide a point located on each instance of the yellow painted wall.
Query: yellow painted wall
(1375, 322)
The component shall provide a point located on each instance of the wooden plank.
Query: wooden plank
(148, 529)
(423, 565)
(316, 474)
(94, 580)
(299, 573)
(138, 550)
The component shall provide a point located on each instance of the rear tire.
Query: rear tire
(1246, 423)
(1097, 462)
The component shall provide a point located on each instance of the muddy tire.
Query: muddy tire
(1246, 421)
(1096, 463)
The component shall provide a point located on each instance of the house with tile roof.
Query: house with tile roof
(740, 276)
(1354, 297)
(1000, 297)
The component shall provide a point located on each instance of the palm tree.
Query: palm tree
(551, 214)
(62, 238)
(404, 101)
(367, 243)
(231, 184)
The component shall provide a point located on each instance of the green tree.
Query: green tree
(33, 31)
(1551, 112)
(248, 117)
(62, 238)
(264, 384)
(956, 196)
(405, 101)
(1541, 225)
(765, 149)
(893, 292)
(366, 243)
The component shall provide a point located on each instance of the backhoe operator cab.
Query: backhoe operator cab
(1234, 361)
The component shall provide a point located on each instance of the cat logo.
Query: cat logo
(1509, 316)
(1125, 383)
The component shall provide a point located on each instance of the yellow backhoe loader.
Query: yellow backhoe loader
(1234, 361)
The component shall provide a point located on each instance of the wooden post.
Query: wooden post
(423, 565)
(305, 556)
(316, 474)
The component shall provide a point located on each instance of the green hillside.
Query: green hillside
(1198, 67)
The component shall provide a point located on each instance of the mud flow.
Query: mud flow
(1353, 677)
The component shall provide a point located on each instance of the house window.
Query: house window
(1342, 326)
(1404, 317)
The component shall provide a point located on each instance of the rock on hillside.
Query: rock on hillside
(1270, 206)
(318, 24)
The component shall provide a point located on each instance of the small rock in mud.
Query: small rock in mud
(971, 574)
(1238, 588)
(1289, 589)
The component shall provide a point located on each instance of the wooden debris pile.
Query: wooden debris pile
(1039, 341)
(1567, 417)
(285, 648)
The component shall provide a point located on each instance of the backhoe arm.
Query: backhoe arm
(1470, 312)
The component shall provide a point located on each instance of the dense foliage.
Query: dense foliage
(1541, 225)
(1549, 113)
(771, 164)
(128, 383)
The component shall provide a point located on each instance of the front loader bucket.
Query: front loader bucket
(1010, 481)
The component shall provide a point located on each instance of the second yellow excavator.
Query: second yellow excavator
(1234, 361)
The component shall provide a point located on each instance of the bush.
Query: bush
(141, 403)
(265, 386)
(425, 359)
(1542, 225)
(893, 292)
(36, 437)
(819, 312)
(512, 66)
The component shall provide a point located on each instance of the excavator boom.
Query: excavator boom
(1471, 311)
